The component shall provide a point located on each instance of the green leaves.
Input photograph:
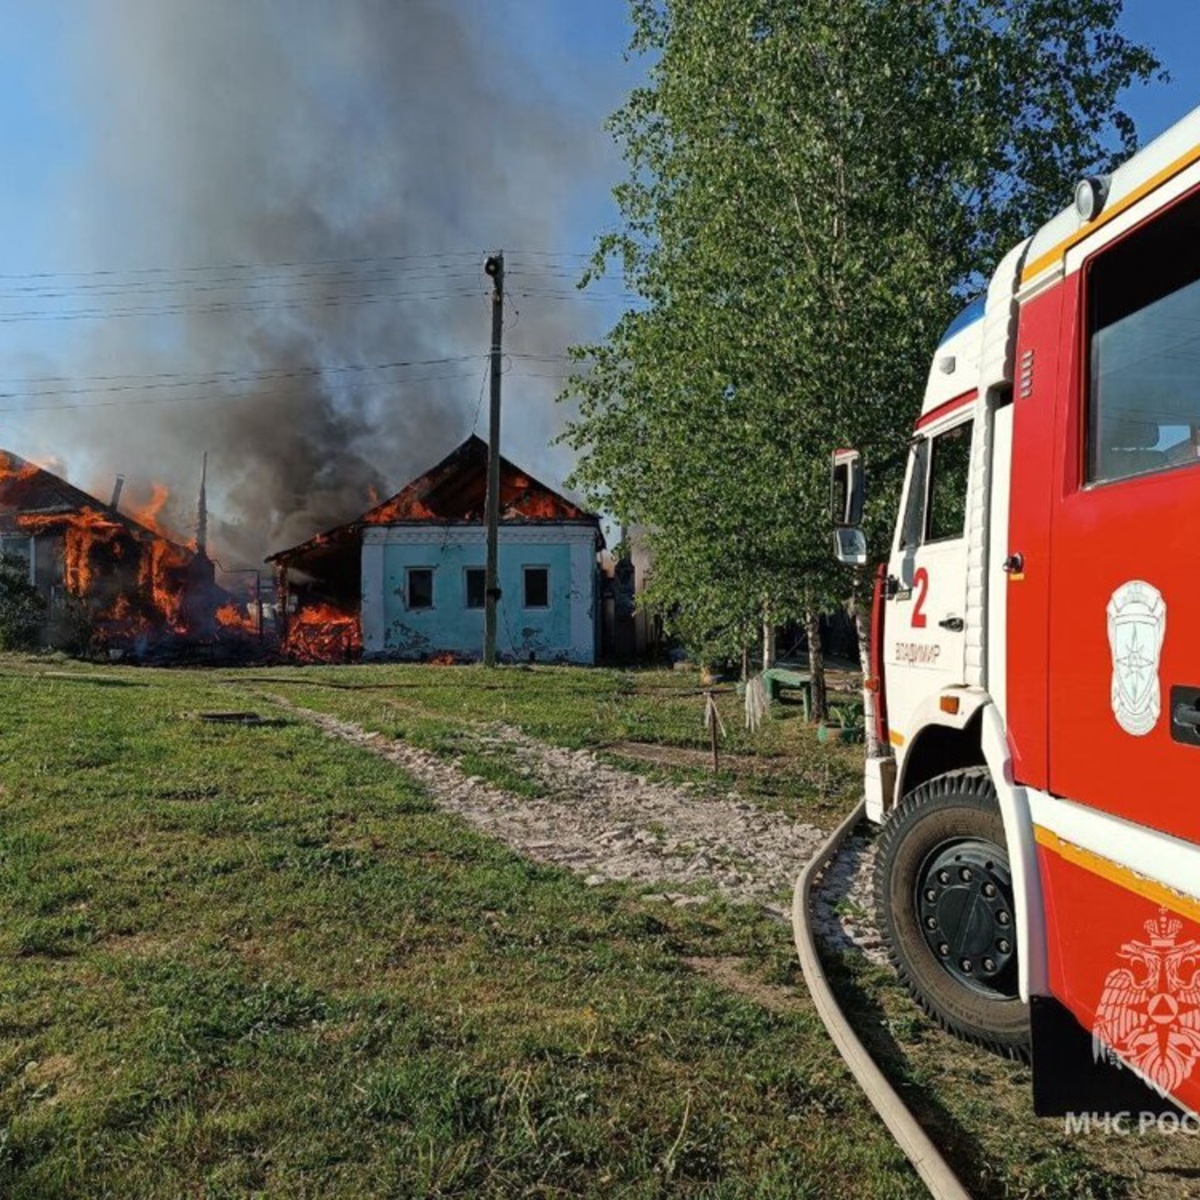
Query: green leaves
(813, 186)
(22, 609)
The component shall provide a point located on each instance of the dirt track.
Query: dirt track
(609, 824)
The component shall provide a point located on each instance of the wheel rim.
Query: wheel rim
(964, 906)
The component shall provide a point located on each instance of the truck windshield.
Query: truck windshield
(1144, 349)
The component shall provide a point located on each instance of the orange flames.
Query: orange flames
(128, 578)
(323, 633)
(81, 531)
(150, 513)
(230, 616)
(13, 469)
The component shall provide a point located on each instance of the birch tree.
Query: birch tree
(813, 188)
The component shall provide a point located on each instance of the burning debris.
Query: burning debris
(323, 633)
(110, 582)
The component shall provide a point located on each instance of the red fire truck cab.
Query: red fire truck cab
(1036, 653)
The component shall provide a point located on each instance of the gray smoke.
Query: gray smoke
(347, 139)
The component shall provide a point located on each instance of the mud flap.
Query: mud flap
(1067, 1079)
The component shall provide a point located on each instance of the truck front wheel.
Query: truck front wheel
(944, 897)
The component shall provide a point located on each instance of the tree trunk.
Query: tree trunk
(768, 639)
(816, 665)
(871, 744)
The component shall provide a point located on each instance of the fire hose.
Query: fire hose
(925, 1157)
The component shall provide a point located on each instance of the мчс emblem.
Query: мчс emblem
(1137, 624)
(1149, 1015)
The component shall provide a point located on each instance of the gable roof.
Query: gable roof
(455, 492)
(33, 498)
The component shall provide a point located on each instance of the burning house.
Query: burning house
(109, 581)
(406, 579)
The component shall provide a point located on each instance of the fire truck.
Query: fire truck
(1034, 679)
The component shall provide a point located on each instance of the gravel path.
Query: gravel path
(844, 907)
(609, 824)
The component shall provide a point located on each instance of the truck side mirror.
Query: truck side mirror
(846, 489)
(850, 546)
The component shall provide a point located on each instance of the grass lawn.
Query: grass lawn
(249, 960)
(246, 960)
(650, 721)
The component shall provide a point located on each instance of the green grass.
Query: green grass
(246, 961)
(443, 708)
(252, 961)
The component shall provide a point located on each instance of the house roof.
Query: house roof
(30, 494)
(455, 492)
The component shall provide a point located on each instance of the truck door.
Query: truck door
(1124, 626)
(924, 630)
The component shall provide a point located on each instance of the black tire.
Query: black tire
(944, 900)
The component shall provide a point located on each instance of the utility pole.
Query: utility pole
(202, 510)
(494, 266)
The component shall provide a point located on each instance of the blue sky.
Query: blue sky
(178, 134)
(576, 46)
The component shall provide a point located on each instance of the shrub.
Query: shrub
(22, 609)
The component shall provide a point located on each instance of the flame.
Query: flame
(82, 531)
(399, 508)
(162, 567)
(521, 498)
(229, 616)
(323, 633)
(126, 577)
(149, 514)
(11, 471)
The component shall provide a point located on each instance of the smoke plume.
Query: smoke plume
(282, 185)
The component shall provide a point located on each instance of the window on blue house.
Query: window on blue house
(419, 587)
(475, 583)
(537, 587)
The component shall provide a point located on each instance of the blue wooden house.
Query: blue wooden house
(411, 570)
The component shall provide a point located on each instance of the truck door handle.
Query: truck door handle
(1185, 714)
(954, 624)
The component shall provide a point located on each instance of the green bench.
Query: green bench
(779, 677)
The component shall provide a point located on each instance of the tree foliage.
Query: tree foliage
(22, 609)
(813, 187)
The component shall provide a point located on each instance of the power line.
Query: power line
(551, 254)
(226, 283)
(483, 382)
(209, 309)
(277, 276)
(451, 258)
(256, 394)
(224, 398)
(290, 305)
(206, 377)
(612, 298)
(171, 379)
(246, 266)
